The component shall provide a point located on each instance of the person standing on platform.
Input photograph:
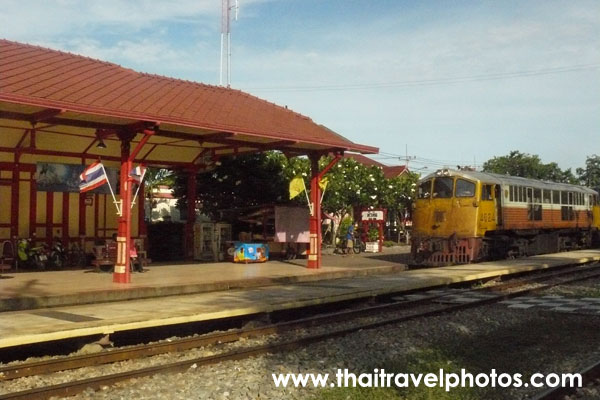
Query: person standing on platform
(350, 239)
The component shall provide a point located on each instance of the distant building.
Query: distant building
(164, 205)
(389, 172)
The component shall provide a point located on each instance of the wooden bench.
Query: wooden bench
(106, 255)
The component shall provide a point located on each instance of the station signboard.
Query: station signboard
(372, 215)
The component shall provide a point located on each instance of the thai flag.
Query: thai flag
(137, 174)
(92, 177)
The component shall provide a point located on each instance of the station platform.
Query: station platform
(31, 290)
(281, 290)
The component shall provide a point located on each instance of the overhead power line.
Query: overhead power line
(433, 82)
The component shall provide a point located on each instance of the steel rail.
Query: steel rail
(147, 350)
(71, 388)
(588, 375)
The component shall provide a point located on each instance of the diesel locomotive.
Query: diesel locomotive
(467, 216)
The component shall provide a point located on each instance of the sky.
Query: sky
(445, 82)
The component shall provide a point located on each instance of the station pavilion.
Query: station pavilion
(58, 107)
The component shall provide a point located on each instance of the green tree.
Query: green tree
(239, 181)
(258, 179)
(590, 175)
(528, 166)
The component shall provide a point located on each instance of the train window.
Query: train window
(486, 191)
(522, 194)
(424, 191)
(442, 188)
(564, 197)
(571, 198)
(529, 192)
(511, 189)
(567, 213)
(555, 197)
(465, 188)
(547, 196)
(519, 195)
(537, 195)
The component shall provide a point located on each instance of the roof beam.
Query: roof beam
(46, 114)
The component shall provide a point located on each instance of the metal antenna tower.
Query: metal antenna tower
(226, 9)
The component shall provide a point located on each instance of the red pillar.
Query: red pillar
(314, 250)
(121, 273)
(191, 211)
(14, 203)
(82, 215)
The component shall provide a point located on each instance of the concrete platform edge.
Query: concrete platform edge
(135, 293)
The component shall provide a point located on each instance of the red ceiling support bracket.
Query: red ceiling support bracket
(314, 251)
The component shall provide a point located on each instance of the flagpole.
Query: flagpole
(138, 188)
(323, 194)
(119, 209)
(307, 199)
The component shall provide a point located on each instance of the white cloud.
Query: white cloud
(181, 39)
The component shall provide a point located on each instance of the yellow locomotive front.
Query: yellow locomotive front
(451, 214)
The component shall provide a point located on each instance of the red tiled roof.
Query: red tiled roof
(363, 160)
(392, 172)
(388, 171)
(36, 76)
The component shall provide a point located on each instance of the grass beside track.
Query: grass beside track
(517, 341)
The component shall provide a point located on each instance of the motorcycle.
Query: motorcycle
(358, 245)
(29, 256)
(58, 255)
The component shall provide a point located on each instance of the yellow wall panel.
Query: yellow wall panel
(40, 214)
(73, 215)
(89, 220)
(101, 204)
(5, 193)
(111, 213)
(24, 175)
(24, 208)
(57, 212)
(7, 157)
(5, 174)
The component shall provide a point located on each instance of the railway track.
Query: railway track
(589, 375)
(502, 291)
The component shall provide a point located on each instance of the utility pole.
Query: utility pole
(225, 69)
(407, 158)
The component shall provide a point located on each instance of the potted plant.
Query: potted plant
(372, 240)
